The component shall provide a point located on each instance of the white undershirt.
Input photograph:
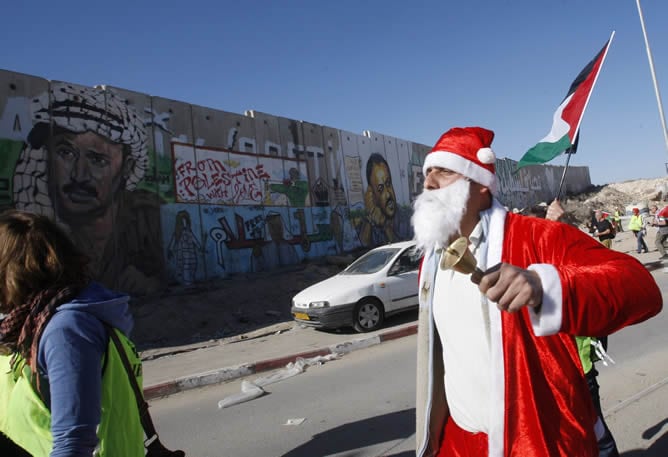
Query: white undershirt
(461, 314)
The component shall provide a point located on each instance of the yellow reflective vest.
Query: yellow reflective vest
(27, 421)
(636, 223)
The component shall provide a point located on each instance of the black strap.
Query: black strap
(142, 405)
(153, 445)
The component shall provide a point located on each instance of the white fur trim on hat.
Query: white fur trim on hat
(459, 164)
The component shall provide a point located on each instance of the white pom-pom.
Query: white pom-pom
(486, 156)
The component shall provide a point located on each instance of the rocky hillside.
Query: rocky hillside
(638, 192)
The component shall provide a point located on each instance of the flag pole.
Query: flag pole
(571, 150)
(563, 177)
(651, 69)
(577, 128)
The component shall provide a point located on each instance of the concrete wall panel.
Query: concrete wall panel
(267, 134)
(17, 92)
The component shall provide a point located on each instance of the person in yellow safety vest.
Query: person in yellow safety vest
(637, 226)
(617, 219)
(58, 369)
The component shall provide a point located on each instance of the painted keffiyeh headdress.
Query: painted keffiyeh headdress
(76, 109)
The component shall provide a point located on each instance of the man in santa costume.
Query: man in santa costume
(498, 367)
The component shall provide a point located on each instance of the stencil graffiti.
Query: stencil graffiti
(184, 247)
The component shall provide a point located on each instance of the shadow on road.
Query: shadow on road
(658, 449)
(395, 320)
(655, 265)
(355, 435)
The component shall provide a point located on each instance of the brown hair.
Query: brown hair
(35, 254)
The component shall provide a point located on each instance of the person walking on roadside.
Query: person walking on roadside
(617, 220)
(65, 388)
(637, 226)
(661, 221)
(538, 285)
(603, 229)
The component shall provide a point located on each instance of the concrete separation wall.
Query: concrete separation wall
(160, 192)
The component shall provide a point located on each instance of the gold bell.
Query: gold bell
(458, 257)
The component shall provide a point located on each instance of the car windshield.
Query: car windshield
(370, 262)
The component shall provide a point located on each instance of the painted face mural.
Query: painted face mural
(380, 204)
(85, 172)
(81, 163)
(380, 183)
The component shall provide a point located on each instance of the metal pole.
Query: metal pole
(651, 68)
(563, 177)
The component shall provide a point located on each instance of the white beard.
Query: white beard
(438, 215)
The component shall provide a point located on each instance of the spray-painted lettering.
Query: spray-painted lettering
(212, 181)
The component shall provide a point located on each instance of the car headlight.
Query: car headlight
(318, 304)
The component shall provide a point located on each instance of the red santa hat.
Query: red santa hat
(467, 151)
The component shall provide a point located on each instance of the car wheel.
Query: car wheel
(368, 315)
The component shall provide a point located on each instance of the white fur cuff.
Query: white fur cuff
(547, 321)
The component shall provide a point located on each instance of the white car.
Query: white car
(382, 282)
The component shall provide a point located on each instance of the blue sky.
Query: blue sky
(405, 69)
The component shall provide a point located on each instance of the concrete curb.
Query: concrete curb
(233, 372)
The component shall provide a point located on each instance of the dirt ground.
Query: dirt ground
(248, 302)
(224, 308)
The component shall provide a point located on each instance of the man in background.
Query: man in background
(661, 221)
(603, 229)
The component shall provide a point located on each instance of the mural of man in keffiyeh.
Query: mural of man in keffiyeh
(81, 164)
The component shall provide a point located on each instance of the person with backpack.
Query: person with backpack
(603, 229)
(637, 226)
(69, 375)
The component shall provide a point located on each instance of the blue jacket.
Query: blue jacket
(70, 365)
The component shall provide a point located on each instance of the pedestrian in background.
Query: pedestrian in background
(617, 220)
(65, 389)
(637, 226)
(603, 229)
(661, 221)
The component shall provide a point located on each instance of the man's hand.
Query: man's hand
(510, 287)
(554, 212)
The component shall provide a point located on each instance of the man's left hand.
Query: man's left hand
(555, 211)
(511, 287)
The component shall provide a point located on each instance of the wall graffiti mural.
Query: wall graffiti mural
(380, 203)
(226, 178)
(159, 192)
(184, 247)
(80, 164)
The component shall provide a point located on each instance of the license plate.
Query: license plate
(302, 316)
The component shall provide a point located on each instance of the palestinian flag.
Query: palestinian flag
(567, 118)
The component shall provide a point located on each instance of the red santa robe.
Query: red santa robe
(540, 405)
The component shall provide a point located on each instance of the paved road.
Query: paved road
(363, 405)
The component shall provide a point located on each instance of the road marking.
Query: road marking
(633, 398)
